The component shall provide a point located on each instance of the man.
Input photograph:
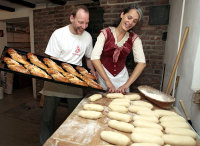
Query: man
(67, 44)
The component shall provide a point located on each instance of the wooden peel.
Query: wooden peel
(177, 59)
(185, 111)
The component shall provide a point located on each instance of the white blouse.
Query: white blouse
(137, 48)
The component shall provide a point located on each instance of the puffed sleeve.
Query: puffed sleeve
(98, 48)
(138, 52)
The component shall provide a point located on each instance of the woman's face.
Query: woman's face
(129, 20)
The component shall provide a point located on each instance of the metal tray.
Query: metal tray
(157, 97)
(3, 67)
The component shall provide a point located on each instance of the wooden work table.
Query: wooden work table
(77, 131)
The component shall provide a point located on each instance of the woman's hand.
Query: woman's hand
(110, 87)
(123, 89)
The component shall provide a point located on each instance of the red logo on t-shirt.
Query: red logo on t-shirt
(77, 51)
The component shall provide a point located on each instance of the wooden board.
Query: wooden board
(77, 131)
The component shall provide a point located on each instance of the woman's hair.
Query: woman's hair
(136, 7)
(76, 8)
(127, 9)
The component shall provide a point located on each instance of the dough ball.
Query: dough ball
(90, 114)
(95, 97)
(143, 103)
(146, 118)
(93, 107)
(175, 124)
(122, 103)
(121, 126)
(145, 144)
(136, 108)
(172, 118)
(115, 138)
(119, 116)
(145, 137)
(162, 113)
(114, 95)
(146, 124)
(178, 140)
(153, 131)
(148, 113)
(121, 100)
(181, 131)
(133, 96)
(118, 108)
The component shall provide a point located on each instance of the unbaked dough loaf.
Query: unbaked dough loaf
(136, 108)
(121, 100)
(162, 113)
(118, 108)
(93, 107)
(119, 116)
(139, 137)
(115, 138)
(133, 96)
(153, 131)
(181, 131)
(114, 95)
(148, 113)
(175, 124)
(90, 114)
(172, 118)
(121, 126)
(147, 118)
(145, 144)
(143, 103)
(146, 124)
(122, 103)
(178, 140)
(95, 97)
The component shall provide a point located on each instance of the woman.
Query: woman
(112, 48)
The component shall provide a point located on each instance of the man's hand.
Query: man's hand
(94, 73)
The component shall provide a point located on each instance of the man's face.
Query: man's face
(80, 21)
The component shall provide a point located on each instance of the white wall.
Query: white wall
(189, 57)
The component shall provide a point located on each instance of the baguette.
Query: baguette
(84, 72)
(36, 71)
(73, 79)
(51, 64)
(33, 58)
(15, 66)
(91, 82)
(17, 57)
(57, 75)
(70, 69)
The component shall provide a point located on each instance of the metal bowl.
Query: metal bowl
(157, 97)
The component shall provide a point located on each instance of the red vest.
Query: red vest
(113, 57)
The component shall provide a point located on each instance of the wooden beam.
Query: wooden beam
(7, 8)
(59, 2)
(23, 3)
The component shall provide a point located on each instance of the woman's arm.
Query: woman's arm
(135, 74)
(99, 67)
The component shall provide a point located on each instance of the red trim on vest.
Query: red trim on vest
(113, 57)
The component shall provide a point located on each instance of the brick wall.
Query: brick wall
(49, 19)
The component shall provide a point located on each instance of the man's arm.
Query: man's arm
(90, 66)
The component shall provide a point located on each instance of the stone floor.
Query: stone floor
(20, 116)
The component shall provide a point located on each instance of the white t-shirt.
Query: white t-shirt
(68, 47)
